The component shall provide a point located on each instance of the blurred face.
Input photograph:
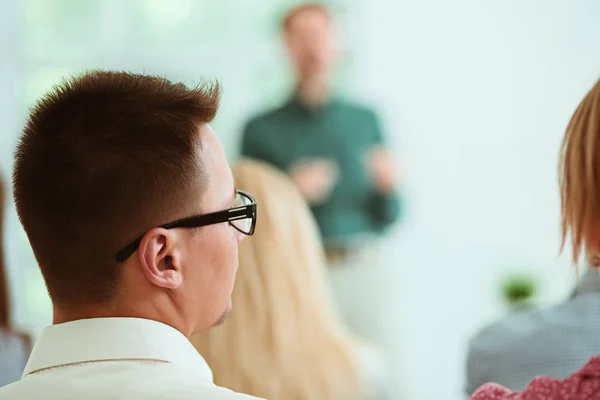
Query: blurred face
(310, 43)
(211, 252)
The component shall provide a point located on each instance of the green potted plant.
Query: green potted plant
(518, 291)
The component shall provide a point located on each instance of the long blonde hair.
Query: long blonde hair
(580, 177)
(282, 340)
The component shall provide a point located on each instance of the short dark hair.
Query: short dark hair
(294, 12)
(104, 157)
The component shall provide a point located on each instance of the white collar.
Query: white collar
(103, 339)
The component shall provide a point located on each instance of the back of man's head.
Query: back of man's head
(103, 157)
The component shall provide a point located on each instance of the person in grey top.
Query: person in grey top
(552, 342)
(14, 346)
(14, 351)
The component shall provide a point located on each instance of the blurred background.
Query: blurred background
(474, 96)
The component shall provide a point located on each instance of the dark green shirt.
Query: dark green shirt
(343, 133)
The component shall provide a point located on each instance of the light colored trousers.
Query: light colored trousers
(365, 292)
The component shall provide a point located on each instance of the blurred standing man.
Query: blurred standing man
(333, 150)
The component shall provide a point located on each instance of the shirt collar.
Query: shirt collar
(296, 102)
(104, 339)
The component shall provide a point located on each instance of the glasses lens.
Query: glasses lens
(244, 224)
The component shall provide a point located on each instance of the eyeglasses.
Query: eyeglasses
(242, 216)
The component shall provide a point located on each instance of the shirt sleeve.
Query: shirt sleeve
(385, 208)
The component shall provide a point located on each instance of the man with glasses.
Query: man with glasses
(129, 204)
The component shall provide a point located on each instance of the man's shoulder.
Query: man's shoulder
(15, 391)
(529, 326)
(180, 391)
(522, 325)
(99, 382)
(177, 383)
(197, 392)
(219, 393)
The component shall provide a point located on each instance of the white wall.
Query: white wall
(477, 95)
(235, 41)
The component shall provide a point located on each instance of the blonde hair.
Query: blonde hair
(580, 177)
(282, 340)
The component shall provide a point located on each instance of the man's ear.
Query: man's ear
(160, 258)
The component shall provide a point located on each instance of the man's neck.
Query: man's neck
(63, 315)
(313, 91)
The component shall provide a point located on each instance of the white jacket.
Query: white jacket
(115, 358)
